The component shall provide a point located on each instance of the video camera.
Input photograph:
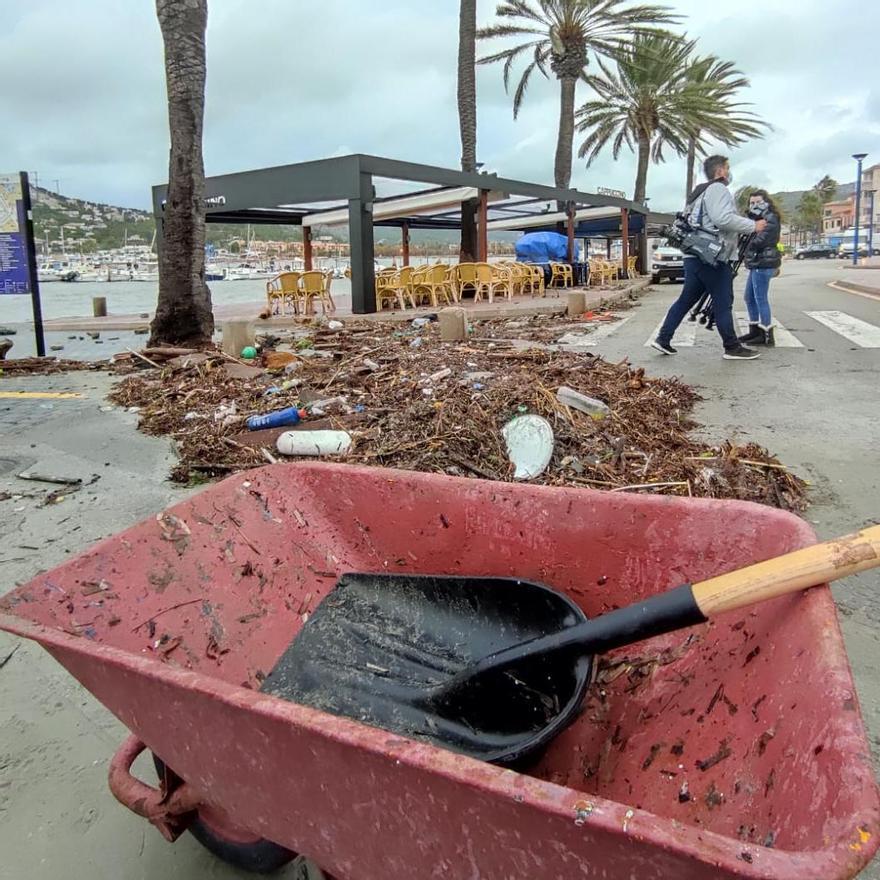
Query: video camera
(693, 241)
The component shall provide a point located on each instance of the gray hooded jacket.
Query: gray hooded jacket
(719, 215)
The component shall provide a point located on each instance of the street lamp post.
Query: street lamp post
(859, 157)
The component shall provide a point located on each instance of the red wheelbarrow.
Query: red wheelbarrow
(734, 749)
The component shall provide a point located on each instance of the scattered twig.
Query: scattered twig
(648, 486)
(471, 466)
(8, 657)
(359, 356)
(44, 478)
(169, 352)
(144, 358)
(763, 464)
(166, 610)
(233, 358)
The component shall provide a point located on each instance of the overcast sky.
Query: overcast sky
(82, 97)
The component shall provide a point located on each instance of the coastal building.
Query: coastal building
(838, 216)
(870, 184)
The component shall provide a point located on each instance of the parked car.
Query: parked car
(816, 251)
(667, 262)
(845, 250)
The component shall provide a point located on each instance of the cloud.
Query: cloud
(872, 107)
(821, 153)
(286, 84)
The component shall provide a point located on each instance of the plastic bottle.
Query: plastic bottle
(589, 405)
(278, 419)
(313, 443)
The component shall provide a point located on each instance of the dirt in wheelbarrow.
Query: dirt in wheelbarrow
(411, 401)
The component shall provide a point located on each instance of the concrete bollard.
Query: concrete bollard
(453, 324)
(99, 306)
(236, 336)
(577, 303)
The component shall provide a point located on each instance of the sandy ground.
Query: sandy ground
(814, 406)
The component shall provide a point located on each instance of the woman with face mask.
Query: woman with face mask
(762, 258)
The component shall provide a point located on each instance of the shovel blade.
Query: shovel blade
(379, 645)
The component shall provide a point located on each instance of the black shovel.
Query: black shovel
(494, 668)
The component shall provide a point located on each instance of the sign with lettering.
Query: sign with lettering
(14, 274)
(605, 191)
(18, 260)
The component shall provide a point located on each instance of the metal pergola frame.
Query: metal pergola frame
(285, 194)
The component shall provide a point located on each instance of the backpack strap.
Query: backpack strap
(699, 193)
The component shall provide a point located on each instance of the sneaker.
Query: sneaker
(663, 347)
(740, 353)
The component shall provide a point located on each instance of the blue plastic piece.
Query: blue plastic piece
(543, 247)
(277, 419)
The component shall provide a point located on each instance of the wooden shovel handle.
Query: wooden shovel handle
(790, 573)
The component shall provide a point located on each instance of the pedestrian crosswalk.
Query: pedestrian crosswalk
(859, 332)
(691, 333)
(783, 338)
(576, 341)
(855, 331)
(684, 337)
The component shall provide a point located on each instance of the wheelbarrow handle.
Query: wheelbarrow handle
(789, 573)
(167, 811)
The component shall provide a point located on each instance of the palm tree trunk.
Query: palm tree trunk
(691, 160)
(183, 313)
(562, 169)
(644, 155)
(467, 119)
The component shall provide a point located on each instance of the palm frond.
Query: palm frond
(521, 88)
(542, 53)
(513, 51)
(519, 9)
(505, 30)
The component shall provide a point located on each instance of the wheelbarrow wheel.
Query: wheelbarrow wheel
(259, 856)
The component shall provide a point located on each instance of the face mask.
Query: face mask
(729, 178)
(758, 207)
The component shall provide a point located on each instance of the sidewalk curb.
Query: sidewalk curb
(858, 289)
(546, 306)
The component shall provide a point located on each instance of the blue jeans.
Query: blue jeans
(699, 278)
(758, 297)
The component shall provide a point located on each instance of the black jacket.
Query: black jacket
(762, 252)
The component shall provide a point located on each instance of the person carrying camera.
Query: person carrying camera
(763, 260)
(710, 210)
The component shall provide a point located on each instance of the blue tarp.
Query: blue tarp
(543, 247)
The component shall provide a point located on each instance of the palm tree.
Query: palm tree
(809, 212)
(561, 34)
(467, 119)
(827, 189)
(728, 123)
(649, 103)
(183, 313)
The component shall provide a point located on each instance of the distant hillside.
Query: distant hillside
(90, 226)
(789, 201)
(86, 226)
